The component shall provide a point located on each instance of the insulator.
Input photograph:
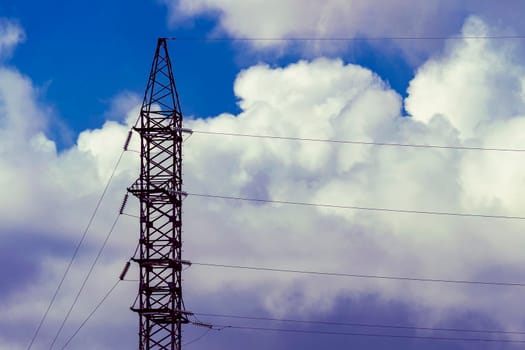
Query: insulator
(185, 262)
(128, 139)
(124, 202)
(201, 324)
(125, 271)
(186, 131)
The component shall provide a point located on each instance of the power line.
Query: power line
(91, 314)
(355, 275)
(358, 324)
(376, 38)
(390, 210)
(84, 282)
(373, 335)
(106, 296)
(205, 333)
(75, 253)
(356, 142)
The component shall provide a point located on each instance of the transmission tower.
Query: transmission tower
(159, 189)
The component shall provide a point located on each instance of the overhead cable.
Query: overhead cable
(84, 281)
(104, 298)
(357, 142)
(359, 275)
(75, 252)
(354, 207)
(362, 38)
(358, 324)
(371, 335)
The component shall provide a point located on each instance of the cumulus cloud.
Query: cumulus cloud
(10, 35)
(46, 199)
(332, 100)
(314, 18)
(346, 19)
(469, 91)
(454, 99)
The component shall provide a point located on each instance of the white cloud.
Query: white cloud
(11, 34)
(327, 99)
(45, 202)
(470, 91)
(51, 194)
(314, 18)
(346, 19)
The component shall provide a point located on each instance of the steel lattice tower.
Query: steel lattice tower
(159, 190)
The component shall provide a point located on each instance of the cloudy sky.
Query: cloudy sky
(445, 73)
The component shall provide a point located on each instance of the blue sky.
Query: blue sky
(71, 83)
(82, 55)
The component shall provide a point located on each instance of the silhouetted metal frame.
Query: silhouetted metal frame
(159, 189)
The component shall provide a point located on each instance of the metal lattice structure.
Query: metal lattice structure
(159, 189)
